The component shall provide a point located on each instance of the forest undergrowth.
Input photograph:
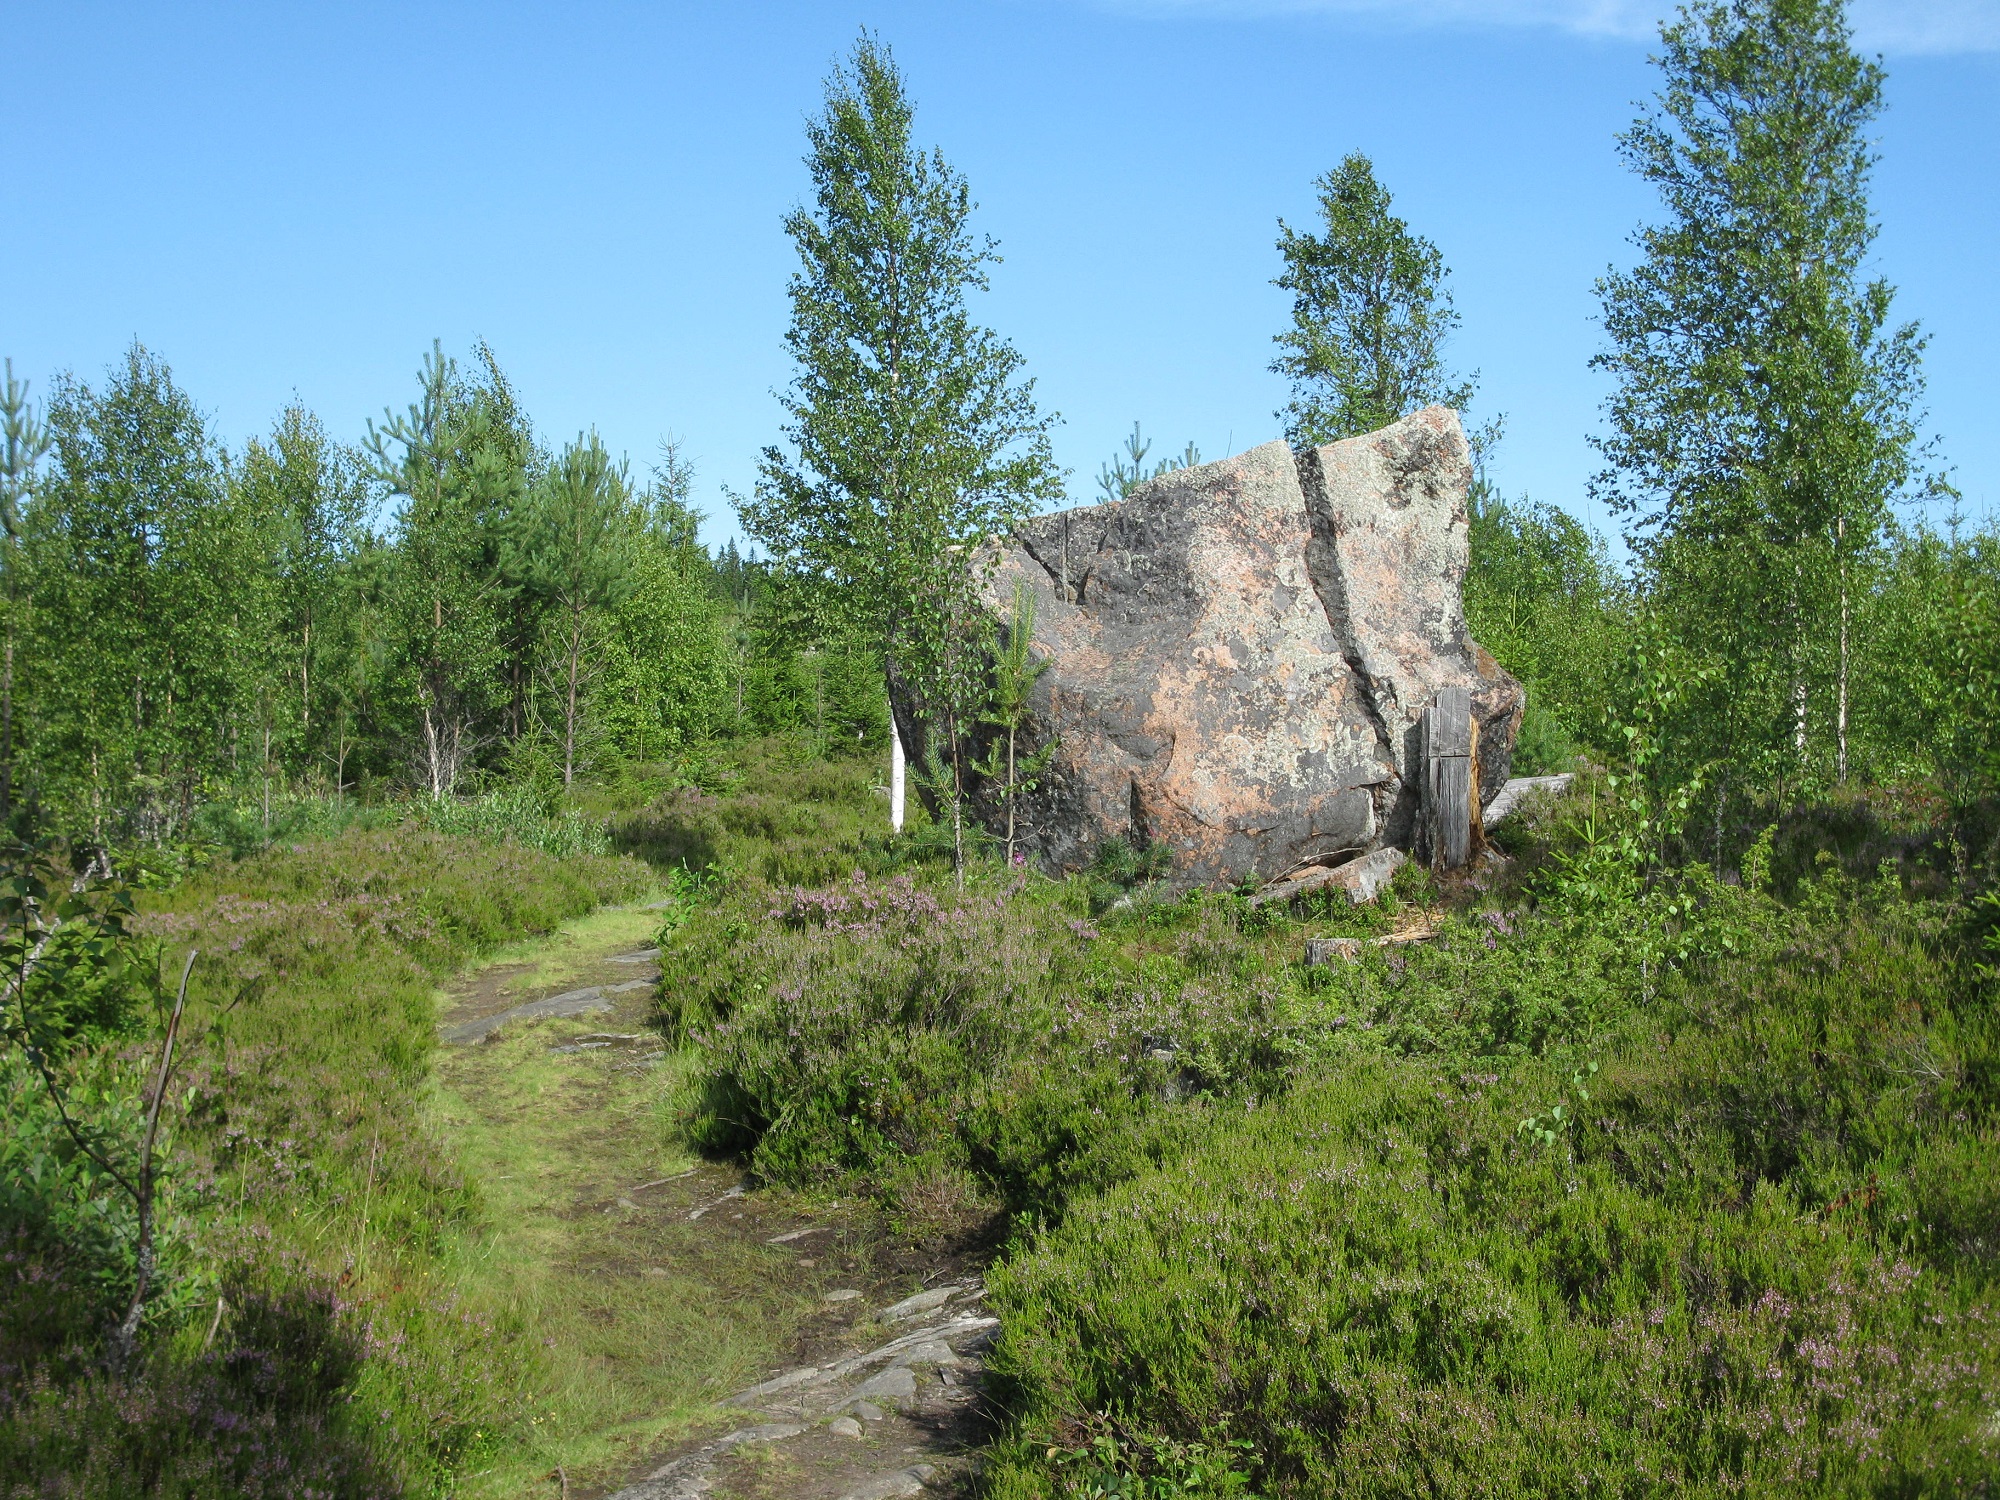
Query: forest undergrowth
(1571, 1179)
(1665, 1185)
(309, 1335)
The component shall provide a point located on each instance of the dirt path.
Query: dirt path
(657, 1284)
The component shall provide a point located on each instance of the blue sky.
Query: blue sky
(295, 199)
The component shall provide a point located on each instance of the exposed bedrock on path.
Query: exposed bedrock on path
(1240, 654)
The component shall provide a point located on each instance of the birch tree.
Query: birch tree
(1762, 416)
(579, 535)
(911, 434)
(1370, 315)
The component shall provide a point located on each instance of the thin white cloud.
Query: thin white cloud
(1898, 26)
(1934, 26)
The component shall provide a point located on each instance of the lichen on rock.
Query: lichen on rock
(1240, 653)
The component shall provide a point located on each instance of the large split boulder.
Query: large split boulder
(1240, 654)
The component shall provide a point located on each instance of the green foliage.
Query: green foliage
(308, 1196)
(1013, 678)
(575, 539)
(1736, 1259)
(514, 814)
(1370, 314)
(1127, 470)
(458, 460)
(914, 440)
(1762, 420)
(309, 505)
(1120, 868)
(1112, 1466)
(1542, 596)
(138, 563)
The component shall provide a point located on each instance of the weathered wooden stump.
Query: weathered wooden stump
(1449, 826)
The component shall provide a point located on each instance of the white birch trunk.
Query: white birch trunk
(897, 778)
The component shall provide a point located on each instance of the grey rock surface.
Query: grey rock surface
(920, 1303)
(569, 1003)
(897, 1383)
(930, 1352)
(908, 1481)
(1239, 653)
(1519, 789)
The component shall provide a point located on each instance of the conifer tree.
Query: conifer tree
(911, 435)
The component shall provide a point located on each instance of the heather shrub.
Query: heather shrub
(515, 813)
(847, 1030)
(298, 1341)
(778, 821)
(1751, 1252)
(261, 1409)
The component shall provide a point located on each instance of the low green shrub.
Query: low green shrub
(848, 1030)
(775, 821)
(297, 1313)
(1752, 1254)
(514, 813)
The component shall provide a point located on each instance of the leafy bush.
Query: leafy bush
(514, 813)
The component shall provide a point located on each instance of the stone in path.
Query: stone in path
(569, 1003)
(833, 1419)
(908, 1481)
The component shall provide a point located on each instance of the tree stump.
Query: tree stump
(1450, 794)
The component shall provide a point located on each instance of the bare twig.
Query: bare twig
(214, 1323)
(128, 1330)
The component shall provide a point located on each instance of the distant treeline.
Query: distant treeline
(454, 598)
(450, 600)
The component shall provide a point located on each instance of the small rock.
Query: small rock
(896, 1382)
(772, 1386)
(847, 1427)
(903, 1482)
(933, 1352)
(656, 1271)
(845, 1294)
(643, 956)
(628, 1203)
(922, 1302)
(798, 1234)
(768, 1432)
(868, 1411)
(735, 1192)
(1326, 950)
